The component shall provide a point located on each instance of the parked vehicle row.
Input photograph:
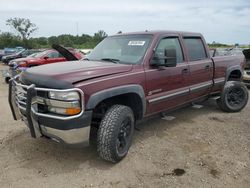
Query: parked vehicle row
(126, 78)
(16, 66)
(9, 51)
(20, 54)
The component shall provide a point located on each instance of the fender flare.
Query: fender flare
(96, 98)
(233, 68)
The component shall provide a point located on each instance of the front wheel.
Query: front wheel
(115, 133)
(234, 97)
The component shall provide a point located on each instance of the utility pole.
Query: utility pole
(77, 29)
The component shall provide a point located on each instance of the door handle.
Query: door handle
(207, 67)
(184, 71)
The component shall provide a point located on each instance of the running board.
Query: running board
(215, 97)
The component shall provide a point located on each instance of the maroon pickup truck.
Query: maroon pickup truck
(126, 78)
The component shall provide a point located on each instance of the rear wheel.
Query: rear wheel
(234, 97)
(115, 133)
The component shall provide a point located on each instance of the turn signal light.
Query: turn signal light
(72, 111)
(65, 111)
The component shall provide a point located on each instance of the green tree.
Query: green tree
(53, 40)
(9, 40)
(24, 27)
(99, 36)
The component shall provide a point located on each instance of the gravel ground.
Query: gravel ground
(200, 148)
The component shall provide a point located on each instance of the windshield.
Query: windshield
(125, 49)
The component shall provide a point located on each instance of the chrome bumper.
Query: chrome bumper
(23, 104)
(72, 136)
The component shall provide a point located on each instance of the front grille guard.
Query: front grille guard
(25, 101)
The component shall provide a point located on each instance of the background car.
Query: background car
(1, 54)
(22, 53)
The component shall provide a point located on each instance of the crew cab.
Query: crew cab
(126, 78)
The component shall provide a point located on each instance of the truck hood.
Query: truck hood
(64, 75)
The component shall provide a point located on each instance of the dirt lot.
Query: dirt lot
(212, 147)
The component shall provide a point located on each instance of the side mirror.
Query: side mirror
(46, 57)
(165, 58)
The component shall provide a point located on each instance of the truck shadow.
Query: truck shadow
(48, 157)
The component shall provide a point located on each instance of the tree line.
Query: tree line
(24, 28)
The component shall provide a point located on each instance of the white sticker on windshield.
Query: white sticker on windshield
(136, 43)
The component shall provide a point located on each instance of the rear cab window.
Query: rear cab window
(195, 48)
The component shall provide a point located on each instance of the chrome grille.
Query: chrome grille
(20, 95)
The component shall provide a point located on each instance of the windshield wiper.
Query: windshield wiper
(111, 60)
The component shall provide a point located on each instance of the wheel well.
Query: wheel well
(131, 100)
(235, 75)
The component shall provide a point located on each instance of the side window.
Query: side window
(195, 49)
(170, 43)
(53, 55)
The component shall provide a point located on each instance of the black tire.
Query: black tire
(234, 97)
(115, 133)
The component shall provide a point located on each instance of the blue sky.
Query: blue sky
(226, 21)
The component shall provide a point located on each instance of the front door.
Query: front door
(167, 87)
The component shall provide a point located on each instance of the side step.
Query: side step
(214, 97)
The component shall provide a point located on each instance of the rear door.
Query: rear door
(167, 87)
(200, 66)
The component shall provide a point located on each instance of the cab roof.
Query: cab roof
(161, 32)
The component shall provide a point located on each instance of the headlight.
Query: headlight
(64, 96)
(64, 102)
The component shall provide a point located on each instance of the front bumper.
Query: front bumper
(73, 130)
